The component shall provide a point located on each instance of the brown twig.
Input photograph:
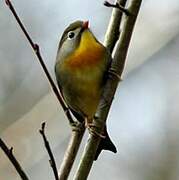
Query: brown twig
(113, 30)
(71, 152)
(36, 49)
(47, 146)
(76, 137)
(117, 67)
(11, 157)
(118, 6)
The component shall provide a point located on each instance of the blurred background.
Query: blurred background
(143, 121)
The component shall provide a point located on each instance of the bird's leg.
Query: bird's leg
(77, 126)
(89, 125)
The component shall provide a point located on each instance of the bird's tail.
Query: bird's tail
(105, 144)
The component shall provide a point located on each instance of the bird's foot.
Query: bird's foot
(92, 130)
(77, 126)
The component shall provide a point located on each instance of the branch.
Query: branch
(110, 88)
(47, 146)
(71, 152)
(11, 157)
(118, 6)
(113, 31)
(36, 49)
(76, 137)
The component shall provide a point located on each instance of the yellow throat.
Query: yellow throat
(88, 54)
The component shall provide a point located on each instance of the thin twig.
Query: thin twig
(11, 157)
(71, 152)
(113, 30)
(36, 49)
(110, 89)
(118, 6)
(76, 137)
(47, 146)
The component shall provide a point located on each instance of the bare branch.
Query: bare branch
(36, 49)
(47, 146)
(113, 31)
(76, 136)
(110, 88)
(71, 152)
(11, 157)
(118, 6)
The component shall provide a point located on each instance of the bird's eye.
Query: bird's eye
(71, 35)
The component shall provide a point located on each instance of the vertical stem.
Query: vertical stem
(48, 148)
(110, 88)
(70, 153)
(113, 31)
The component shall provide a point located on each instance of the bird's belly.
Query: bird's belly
(82, 91)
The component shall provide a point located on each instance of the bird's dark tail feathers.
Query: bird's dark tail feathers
(105, 144)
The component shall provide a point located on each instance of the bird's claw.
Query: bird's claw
(94, 132)
(77, 126)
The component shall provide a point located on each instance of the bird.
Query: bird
(81, 68)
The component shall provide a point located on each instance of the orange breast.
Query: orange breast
(84, 59)
(88, 54)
